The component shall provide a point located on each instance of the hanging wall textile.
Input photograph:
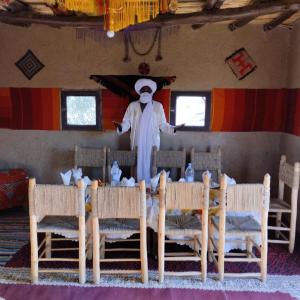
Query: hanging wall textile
(241, 63)
(29, 64)
(123, 13)
(118, 14)
(123, 85)
(30, 108)
(242, 110)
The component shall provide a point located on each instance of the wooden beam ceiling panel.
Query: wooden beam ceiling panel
(279, 20)
(263, 11)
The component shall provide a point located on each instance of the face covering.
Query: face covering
(145, 97)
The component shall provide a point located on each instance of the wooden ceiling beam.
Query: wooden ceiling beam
(244, 21)
(202, 17)
(240, 23)
(210, 4)
(279, 20)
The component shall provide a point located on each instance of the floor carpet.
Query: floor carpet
(283, 274)
(15, 284)
(14, 233)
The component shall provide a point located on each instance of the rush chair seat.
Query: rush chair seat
(251, 198)
(211, 161)
(178, 195)
(288, 176)
(119, 210)
(124, 158)
(169, 159)
(91, 158)
(59, 209)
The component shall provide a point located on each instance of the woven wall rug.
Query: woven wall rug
(286, 287)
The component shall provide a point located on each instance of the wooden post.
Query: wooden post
(249, 246)
(294, 200)
(264, 228)
(210, 236)
(33, 232)
(96, 254)
(222, 227)
(48, 245)
(161, 227)
(143, 233)
(34, 249)
(96, 237)
(204, 229)
(278, 224)
(82, 258)
(81, 219)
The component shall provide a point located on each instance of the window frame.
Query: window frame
(94, 93)
(206, 94)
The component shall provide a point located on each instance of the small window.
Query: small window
(191, 109)
(80, 110)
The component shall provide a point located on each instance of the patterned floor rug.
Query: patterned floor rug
(276, 287)
(14, 233)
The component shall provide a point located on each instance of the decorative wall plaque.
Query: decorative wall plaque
(29, 64)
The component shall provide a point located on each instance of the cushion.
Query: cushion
(238, 224)
(183, 224)
(119, 225)
(58, 224)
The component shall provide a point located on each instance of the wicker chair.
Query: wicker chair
(59, 209)
(168, 159)
(178, 195)
(241, 198)
(202, 161)
(91, 157)
(288, 175)
(119, 210)
(124, 159)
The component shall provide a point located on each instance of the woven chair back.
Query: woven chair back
(90, 157)
(181, 195)
(56, 200)
(119, 202)
(247, 197)
(211, 161)
(289, 174)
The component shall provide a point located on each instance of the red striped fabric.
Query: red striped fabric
(232, 109)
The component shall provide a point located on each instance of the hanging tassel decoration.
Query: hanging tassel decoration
(123, 13)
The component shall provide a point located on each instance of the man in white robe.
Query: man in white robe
(145, 118)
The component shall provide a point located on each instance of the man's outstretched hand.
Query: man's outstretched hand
(118, 125)
(179, 127)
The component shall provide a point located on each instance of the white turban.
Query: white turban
(145, 82)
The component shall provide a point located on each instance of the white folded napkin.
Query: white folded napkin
(230, 181)
(127, 182)
(154, 180)
(66, 177)
(77, 174)
(87, 181)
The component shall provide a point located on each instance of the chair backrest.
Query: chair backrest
(168, 159)
(91, 157)
(289, 175)
(119, 202)
(247, 197)
(56, 200)
(182, 195)
(202, 161)
(124, 158)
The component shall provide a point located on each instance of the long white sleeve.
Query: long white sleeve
(164, 126)
(126, 122)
